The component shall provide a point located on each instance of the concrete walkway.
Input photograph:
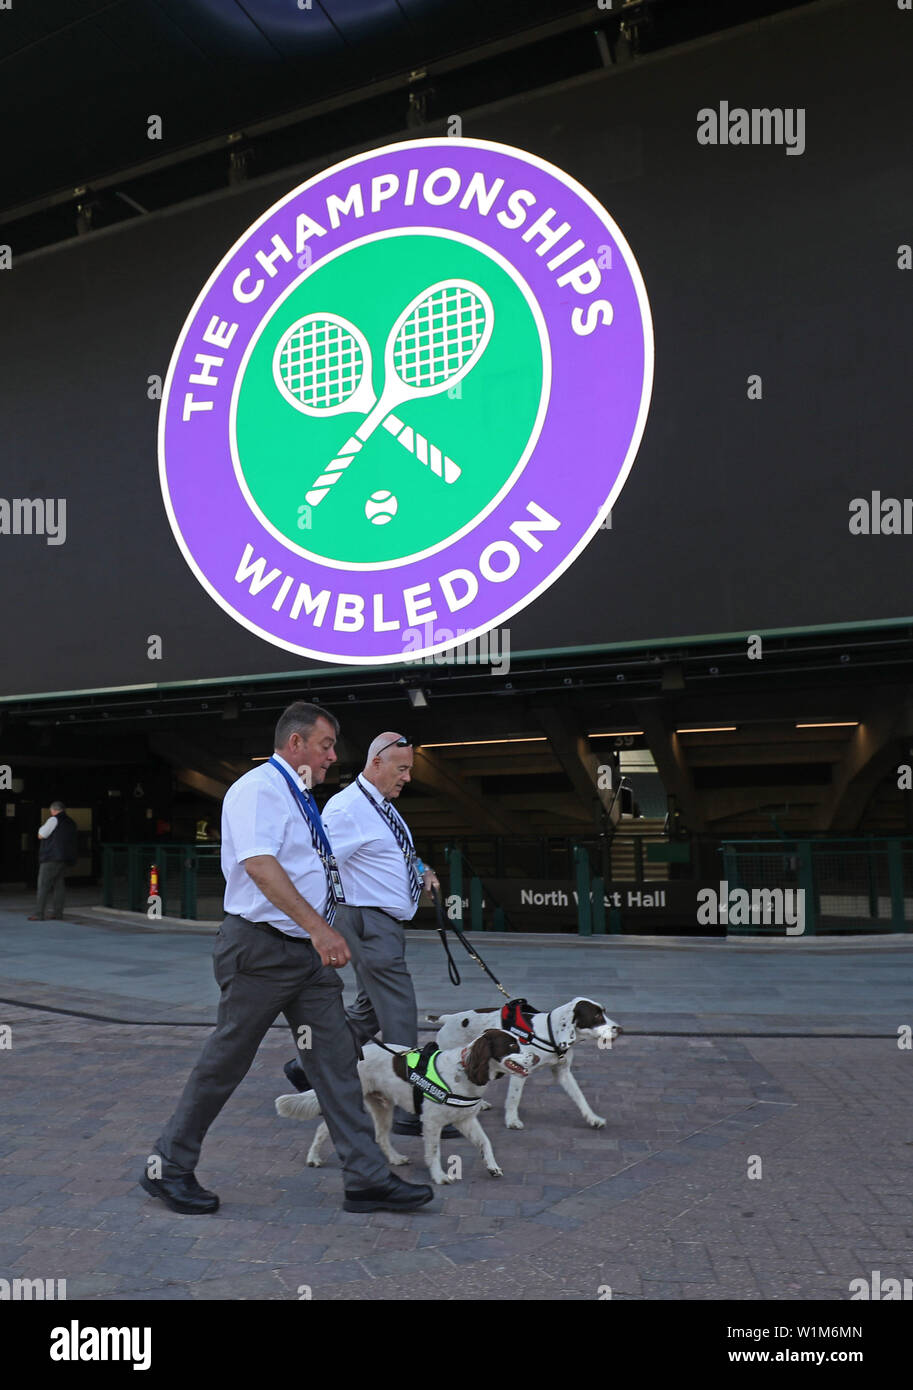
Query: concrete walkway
(786, 1053)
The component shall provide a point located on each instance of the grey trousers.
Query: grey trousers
(51, 875)
(261, 976)
(386, 997)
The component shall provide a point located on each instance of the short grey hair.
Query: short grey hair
(300, 718)
(57, 806)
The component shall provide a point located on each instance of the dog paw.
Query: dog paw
(396, 1160)
(484, 1104)
(314, 1162)
(514, 1124)
(496, 1172)
(596, 1122)
(444, 1178)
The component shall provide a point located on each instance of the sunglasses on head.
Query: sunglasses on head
(394, 743)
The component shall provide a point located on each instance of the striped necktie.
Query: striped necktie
(398, 826)
(396, 823)
(318, 835)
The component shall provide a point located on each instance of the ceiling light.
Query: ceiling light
(717, 729)
(478, 742)
(833, 724)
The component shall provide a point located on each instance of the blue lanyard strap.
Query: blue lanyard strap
(319, 837)
(308, 810)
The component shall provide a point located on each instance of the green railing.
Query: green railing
(466, 889)
(851, 884)
(190, 879)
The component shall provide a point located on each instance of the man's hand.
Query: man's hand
(275, 884)
(430, 880)
(330, 946)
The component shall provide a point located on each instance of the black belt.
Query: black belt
(273, 931)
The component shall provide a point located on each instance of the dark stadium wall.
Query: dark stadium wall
(758, 261)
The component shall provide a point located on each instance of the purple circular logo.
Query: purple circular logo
(405, 400)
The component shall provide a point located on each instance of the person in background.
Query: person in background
(58, 853)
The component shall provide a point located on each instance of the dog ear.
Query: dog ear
(478, 1060)
(400, 1067)
(589, 1014)
(502, 1045)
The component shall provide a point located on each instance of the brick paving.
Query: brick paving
(657, 1205)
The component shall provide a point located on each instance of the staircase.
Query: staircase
(624, 850)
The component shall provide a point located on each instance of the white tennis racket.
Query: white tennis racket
(322, 366)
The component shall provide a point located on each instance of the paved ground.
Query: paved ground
(657, 1205)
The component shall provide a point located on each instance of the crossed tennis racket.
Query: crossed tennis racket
(322, 366)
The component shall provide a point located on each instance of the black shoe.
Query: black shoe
(393, 1195)
(413, 1125)
(182, 1194)
(297, 1075)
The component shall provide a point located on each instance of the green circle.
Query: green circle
(483, 423)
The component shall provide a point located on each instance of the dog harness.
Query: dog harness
(425, 1081)
(517, 1018)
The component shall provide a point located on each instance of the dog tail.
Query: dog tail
(298, 1107)
(434, 1018)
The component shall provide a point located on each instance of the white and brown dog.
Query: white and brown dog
(387, 1079)
(552, 1035)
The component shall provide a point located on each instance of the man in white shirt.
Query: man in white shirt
(56, 857)
(277, 952)
(383, 881)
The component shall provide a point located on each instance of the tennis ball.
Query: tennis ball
(380, 508)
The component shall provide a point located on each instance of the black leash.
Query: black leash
(452, 970)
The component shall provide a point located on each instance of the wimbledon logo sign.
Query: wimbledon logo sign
(409, 393)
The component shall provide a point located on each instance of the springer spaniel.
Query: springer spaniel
(465, 1070)
(551, 1035)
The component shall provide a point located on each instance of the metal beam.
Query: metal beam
(207, 786)
(482, 812)
(666, 748)
(189, 759)
(869, 755)
(723, 804)
(577, 758)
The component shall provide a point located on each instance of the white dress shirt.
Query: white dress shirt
(371, 863)
(261, 816)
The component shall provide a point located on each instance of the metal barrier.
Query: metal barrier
(850, 884)
(589, 894)
(190, 879)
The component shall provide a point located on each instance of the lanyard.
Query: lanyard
(318, 835)
(400, 834)
(387, 814)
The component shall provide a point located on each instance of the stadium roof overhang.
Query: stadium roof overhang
(247, 87)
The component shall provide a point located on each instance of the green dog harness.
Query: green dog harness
(425, 1080)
